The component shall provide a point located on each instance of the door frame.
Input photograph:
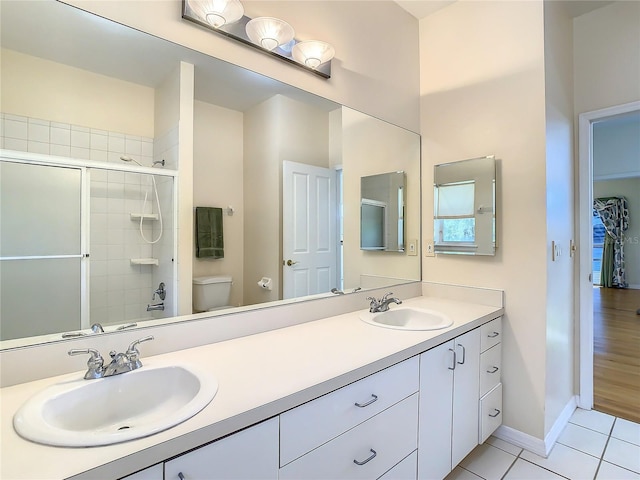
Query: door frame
(585, 252)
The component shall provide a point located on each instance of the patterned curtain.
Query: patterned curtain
(614, 214)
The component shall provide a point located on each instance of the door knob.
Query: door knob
(290, 263)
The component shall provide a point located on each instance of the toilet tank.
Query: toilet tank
(211, 292)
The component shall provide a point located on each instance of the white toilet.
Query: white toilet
(211, 293)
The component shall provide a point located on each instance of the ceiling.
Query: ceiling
(424, 8)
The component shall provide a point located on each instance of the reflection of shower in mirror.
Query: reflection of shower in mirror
(126, 158)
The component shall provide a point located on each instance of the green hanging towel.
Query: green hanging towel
(209, 238)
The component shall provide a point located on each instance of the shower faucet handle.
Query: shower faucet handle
(160, 291)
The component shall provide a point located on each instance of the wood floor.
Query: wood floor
(616, 362)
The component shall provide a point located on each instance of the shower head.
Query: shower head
(127, 158)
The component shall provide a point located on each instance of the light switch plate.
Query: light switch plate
(412, 249)
(428, 250)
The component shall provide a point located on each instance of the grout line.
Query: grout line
(605, 447)
(545, 468)
(510, 466)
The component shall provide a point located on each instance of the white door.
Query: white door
(309, 226)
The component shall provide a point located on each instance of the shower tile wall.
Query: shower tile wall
(119, 291)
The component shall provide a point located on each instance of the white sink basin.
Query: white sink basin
(85, 413)
(408, 318)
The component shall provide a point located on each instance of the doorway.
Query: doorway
(585, 270)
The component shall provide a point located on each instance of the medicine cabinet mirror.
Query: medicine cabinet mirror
(465, 207)
(382, 203)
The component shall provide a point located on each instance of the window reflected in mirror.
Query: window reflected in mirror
(464, 207)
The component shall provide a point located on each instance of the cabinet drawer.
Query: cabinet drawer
(310, 425)
(377, 444)
(250, 454)
(491, 334)
(407, 469)
(490, 368)
(490, 412)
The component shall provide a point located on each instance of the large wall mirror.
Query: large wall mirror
(465, 207)
(97, 105)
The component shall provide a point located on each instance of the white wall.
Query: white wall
(37, 88)
(376, 66)
(217, 182)
(558, 65)
(630, 189)
(483, 92)
(606, 48)
(616, 149)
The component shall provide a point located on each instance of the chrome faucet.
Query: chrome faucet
(382, 305)
(120, 362)
(155, 306)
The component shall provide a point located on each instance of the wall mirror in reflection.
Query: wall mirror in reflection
(464, 207)
(382, 212)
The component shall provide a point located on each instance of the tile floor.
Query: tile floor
(593, 445)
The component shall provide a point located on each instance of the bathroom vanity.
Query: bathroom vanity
(331, 398)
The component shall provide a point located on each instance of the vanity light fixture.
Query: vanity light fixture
(269, 32)
(217, 12)
(312, 53)
(271, 35)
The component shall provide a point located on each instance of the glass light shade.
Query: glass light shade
(312, 53)
(217, 12)
(269, 32)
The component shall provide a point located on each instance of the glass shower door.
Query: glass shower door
(40, 249)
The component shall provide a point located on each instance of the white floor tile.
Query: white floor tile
(627, 431)
(523, 470)
(566, 461)
(583, 439)
(488, 462)
(608, 471)
(623, 454)
(460, 473)
(502, 445)
(598, 421)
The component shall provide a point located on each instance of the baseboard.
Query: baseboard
(561, 422)
(521, 439)
(535, 444)
(634, 287)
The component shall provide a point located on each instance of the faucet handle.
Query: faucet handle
(385, 296)
(95, 363)
(134, 354)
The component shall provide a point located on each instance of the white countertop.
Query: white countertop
(259, 376)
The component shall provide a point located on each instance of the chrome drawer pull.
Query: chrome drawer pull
(362, 405)
(495, 414)
(181, 476)
(453, 365)
(493, 335)
(494, 370)
(373, 455)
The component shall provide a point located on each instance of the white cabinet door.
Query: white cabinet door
(436, 412)
(466, 387)
(250, 454)
(449, 386)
